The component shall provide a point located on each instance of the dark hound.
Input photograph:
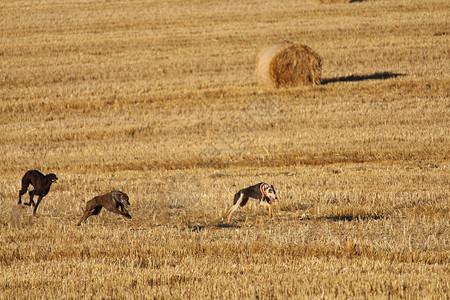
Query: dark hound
(262, 192)
(114, 201)
(41, 184)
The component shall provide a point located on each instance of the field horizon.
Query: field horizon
(160, 99)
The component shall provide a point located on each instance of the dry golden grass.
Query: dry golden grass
(159, 99)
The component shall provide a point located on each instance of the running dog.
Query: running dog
(41, 184)
(261, 192)
(114, 201)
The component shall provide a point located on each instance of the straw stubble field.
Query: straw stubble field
(159, 99)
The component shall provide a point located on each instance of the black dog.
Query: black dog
(262, 192)
(41, 184)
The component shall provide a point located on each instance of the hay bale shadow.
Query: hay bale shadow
(353, 78)
(339, 1)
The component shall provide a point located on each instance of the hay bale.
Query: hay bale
(288, 65)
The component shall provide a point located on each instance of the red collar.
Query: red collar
(263, 190)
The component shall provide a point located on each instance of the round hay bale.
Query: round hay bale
(288, 65)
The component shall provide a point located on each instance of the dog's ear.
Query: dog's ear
(272, 188)
(52, 176)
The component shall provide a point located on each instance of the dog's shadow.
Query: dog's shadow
(347, 218)
(224, 225)
(198, 228)
(353, 78)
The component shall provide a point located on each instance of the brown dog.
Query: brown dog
(111, 201)
(41, 184)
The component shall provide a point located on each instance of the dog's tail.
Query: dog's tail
(229, 189)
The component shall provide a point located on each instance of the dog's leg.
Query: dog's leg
(21, 192)
(25, 183)
(122, 213)
(31, 202)
(126, 215)
(89, 212)
(96, 210)
(235, 206)
(125, 211)
(83, 218)
(269, 206)
(37, 204)
(116, 210)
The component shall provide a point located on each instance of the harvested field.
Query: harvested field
(160, 99)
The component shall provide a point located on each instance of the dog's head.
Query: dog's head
(270, 192)
(52, 177)
(122, 197)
